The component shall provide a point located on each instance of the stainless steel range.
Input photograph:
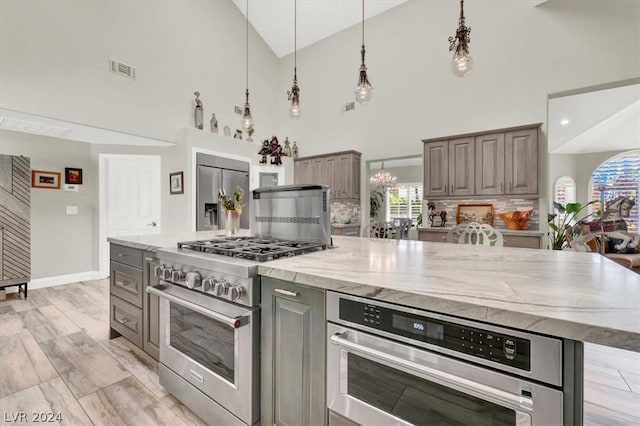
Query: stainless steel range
(209, 306)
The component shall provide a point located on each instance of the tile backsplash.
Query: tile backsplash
(345, 209)
(499, 205)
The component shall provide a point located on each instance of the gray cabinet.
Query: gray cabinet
(462, 167)
(339, 171)
(293, 354)
(521, 162)
(509, 240)
(436, 169)
(346, 230)
(490, 164)
(500, 162)
(134, 313)
(15, 219)
(150, 308)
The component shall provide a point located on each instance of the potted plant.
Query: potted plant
(561, 223)
(232, 206)
(375, 202)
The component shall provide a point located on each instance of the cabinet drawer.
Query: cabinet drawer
(522, 241)
(127, 255)
(126, 283)
(352, 232)
(126, 319)
(432, 236)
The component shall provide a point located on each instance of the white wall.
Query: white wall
(61, 244)
(54, 62)
(521, 54)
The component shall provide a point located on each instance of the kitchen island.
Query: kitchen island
(563, 296)
(578, 296)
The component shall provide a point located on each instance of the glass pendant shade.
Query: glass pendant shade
(294, 112)
(247, 120)
(363, 90)
(462, 63)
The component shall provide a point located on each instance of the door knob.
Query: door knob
(152, 224)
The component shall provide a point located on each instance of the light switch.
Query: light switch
(72, 210)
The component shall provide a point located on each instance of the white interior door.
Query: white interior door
(130, 199)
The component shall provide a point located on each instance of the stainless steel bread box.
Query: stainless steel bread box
(292, 212)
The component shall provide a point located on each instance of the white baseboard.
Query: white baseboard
(59, 280)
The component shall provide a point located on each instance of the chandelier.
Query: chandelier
(382, 180)
(462, 61)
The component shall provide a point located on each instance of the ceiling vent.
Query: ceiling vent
(237, 110)
(122, 69)
(349, 106)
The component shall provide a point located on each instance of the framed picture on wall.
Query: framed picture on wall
(176, 183)
(481, 213)
(44, 179)
(72, 176)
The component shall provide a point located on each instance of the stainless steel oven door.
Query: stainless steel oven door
(214, 345)
(375, 381)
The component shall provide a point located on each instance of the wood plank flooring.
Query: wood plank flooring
(56, 356)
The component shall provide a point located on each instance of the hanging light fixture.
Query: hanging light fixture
(382, 180)
(364, 88)
(462, 61)
(247, 120)
(294, 93)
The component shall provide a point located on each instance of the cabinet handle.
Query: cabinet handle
(501, 186)
(510, 186)
(122, 320)
(451, 189)
(123, 283)
(151, 259)
(287, 292)
(122, 255)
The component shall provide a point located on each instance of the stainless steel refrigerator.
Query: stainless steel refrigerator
(215, 174)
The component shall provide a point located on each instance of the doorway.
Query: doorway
(129, 199)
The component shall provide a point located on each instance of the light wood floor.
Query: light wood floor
(56, 357)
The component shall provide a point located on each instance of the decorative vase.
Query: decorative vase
(232, 223)
(516, 220)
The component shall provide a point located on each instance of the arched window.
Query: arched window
(564, 190)
(618, 176)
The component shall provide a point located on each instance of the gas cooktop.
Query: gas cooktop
(252, 248)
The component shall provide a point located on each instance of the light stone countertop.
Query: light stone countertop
(527, 233)
(579, 296)
(152, 242)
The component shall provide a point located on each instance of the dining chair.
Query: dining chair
(479, 234)
(402, 225)
(379, 230)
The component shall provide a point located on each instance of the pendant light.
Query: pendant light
(382, 180)
(462, 61)
(247, 120)
(294, 93)
(364, 88)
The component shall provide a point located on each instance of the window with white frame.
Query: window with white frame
(404, 201)
(618, 176)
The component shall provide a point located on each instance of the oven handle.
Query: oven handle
(236, 322)
(525, 403)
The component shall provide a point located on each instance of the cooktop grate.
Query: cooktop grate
(251, 248)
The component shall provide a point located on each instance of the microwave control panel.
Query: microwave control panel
(498, 347)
